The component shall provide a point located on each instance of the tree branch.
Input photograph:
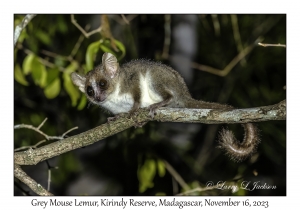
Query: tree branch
(21, 26)
(22, 176)
(237, 36)
(206, 116)
(232, 63)
(272, 45)
(176, 176)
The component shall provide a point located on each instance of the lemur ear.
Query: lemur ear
(110, 64)
(79, 81)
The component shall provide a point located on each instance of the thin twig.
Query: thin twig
(118, 19)
(69, 131)
(42, 133)
(37, 130)
(43, 61)
(50, 65)
(42, 123)
(19, 28)
(216, 24)
(54, 55)
(49, 175)
(86, 34)
(33, 146)
(78, 43)
(125, 19)
(230, 66)
(271, 45)
(131, 17)
(49, 179)
(237, 36)
(176, 176)
(175, 186)
(70, 57)
(121, 20)
(78, 26)
(267, 25)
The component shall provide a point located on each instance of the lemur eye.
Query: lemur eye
(90, 91)
(102, 83)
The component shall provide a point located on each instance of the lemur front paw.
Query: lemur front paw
(132, 115)
(114, 118)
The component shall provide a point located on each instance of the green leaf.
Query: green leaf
(52, 74)
(19, 77)
(90, 53)
(72, 91)
(68, 84)
(72, 67)
(52, 90)
(85, 70)
(121, 47)
(82, 102)
(39, 73)
(27, 63)
(146, 174)
(106, 48)
(161, 168)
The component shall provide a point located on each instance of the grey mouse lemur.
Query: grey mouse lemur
(143, 83)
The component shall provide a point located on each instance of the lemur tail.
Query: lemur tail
(239, 151)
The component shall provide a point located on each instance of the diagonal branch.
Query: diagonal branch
(22, 176)
(176, 176)
(237, 36)
(21, 26)
(232, 63)
(207, 116)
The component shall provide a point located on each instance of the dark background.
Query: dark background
(112, 166)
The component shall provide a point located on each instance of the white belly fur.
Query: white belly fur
(118, 103)
(148, 96)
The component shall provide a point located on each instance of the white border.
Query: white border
(8, 8)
